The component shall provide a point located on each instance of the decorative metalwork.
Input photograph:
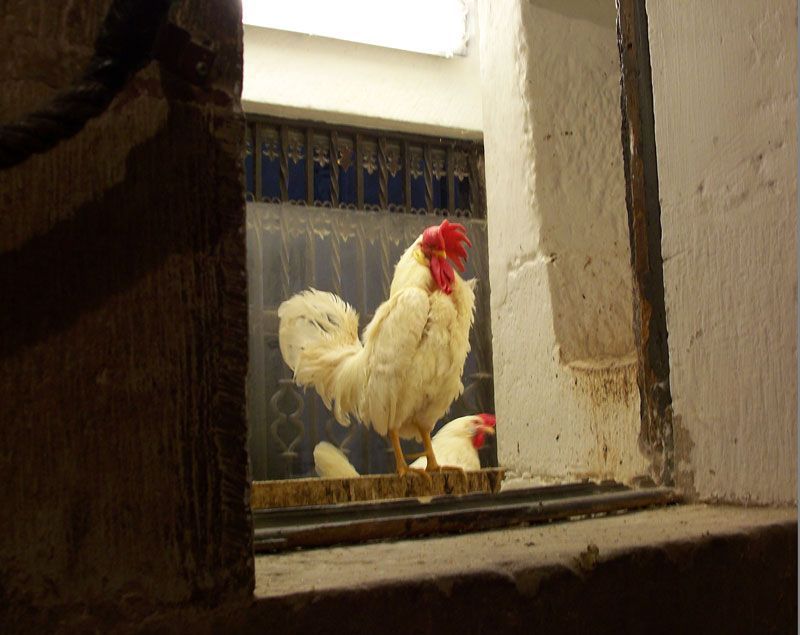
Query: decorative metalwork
(270, 148)
(428, 179)
(344, 153)
(441, 164)
(335, 168)
(383, 181)
(291, 419)
(394, 159)
(353, 254)
(460, 166)
(417, 163)
(286, 148)
(369, 158)
(295, 149)
(321, 153)
(476, 181)
(438, 165)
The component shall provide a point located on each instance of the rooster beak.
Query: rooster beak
(486, 429)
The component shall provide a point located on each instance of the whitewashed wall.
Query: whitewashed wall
(725, 88)
(297, 75)
(565, 382)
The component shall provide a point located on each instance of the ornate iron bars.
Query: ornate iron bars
(320, 165)
(351, 253)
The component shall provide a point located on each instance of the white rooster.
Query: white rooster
(457, 444)
(405, 372)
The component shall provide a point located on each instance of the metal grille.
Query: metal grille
(319, 165)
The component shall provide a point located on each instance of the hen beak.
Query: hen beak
(486, 429)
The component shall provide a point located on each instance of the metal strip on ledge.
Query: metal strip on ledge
(349, 523)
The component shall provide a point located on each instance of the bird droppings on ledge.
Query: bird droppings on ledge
(587, 559)
(319, 491)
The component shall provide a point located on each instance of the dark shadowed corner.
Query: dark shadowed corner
(123, 347)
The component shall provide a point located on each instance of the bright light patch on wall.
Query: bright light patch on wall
(436, 27)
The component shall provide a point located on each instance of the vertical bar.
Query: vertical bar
(481, 163)
(310, 167)
(258, 140)
(357, 164)
(407, 175)
(451, 181)
(644, 224)
(383, 175)
(334, 156)
(475, 199)
(428, 178)
(284, 163)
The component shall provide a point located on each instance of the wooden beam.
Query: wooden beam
(374, 487)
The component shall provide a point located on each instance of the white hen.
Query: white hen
(458, 442)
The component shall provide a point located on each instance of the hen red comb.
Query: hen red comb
(488, 419)
(448, 237)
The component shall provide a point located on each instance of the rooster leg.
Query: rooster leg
(433, 464)
(400, 461)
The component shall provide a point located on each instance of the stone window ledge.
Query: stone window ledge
(729, 569)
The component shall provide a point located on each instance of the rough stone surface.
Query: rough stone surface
(676, 570)
(725, 90)
(565, 382)
(509, 552)
(122, 335)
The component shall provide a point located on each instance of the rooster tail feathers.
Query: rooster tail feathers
(318, 338)
(313, 316)
(331, 462)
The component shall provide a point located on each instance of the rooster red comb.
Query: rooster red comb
(447, 238)
(441, 242)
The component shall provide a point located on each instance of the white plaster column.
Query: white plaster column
(565, 375)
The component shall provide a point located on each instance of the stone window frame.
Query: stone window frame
(285, 528)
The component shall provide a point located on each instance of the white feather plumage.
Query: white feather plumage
(452, 445)
(405, 372)
(331, 462)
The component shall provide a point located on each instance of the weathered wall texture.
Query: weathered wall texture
(725, 88)
(122, 334)
(297, 75)
(565, 382)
